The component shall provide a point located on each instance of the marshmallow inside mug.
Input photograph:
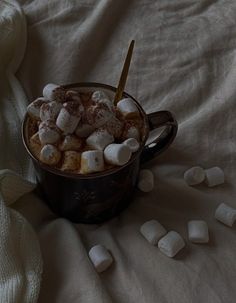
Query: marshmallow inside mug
(84, 89)
(98, 196)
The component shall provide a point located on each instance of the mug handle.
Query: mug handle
(162, 142)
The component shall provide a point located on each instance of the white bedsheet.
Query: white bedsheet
(184, 61)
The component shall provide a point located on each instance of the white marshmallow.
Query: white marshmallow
(98, 95)
(146, 180)
(99, 139)
(71, 161)
(71, 142)
(131, 132)
(49, 154)
(128, 107)
(97, 115)
(100, 257)
(84, 130)
(171, 244)
(92, 161)
(35, 145)
(153, 231)
(108, 103)
(117, 154)
(132, 143)
(48, 132)
(194, 175)
(67, 122)
(50, 110)
(115, 127)
(33, 108)
(214, 176)
(198, 231)
(72, 95)
(225, 214)
(54, 92)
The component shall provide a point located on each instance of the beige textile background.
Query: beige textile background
(184, 61)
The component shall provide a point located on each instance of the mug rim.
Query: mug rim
(78, 176)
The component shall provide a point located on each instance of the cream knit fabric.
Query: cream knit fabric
(20, 256)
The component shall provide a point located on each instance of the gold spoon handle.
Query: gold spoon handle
(124, 74)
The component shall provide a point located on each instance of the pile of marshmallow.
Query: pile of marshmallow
(171, 242)
(81, 132)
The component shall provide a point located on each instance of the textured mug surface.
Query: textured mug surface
(97, 197)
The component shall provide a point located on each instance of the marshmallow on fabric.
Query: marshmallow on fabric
(214, 176)
(117, 154)
(71, 142)
(54, 92)
(146, 180)
(225, 214)
(99, 139)
(48, 132)
(92, 161)
(153, 231)
(128, 108)
(171, 244)
(69, 116)
(50, 110)
(194, 175)
(132, 143)
(198, 231)
(98, 95)
(100, 257)
(33, 108)
(71, 161)
(49, 154)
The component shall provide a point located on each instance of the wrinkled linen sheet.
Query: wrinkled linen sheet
(184, 61)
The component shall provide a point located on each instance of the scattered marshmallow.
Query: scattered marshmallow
(92, 161)
(225, 214)
(117, 154)
(214, 176)
(71, 142)
(100, 257)
(98, 95)
(171, 244)
(48, 132)
(67, 122)
(108, 103)
(132, 143)
(198, 231)
(128, 108)
(146, 180)
(54, 92)
(83, 130)
(194, 175)
(49, 154)
(99, 139)
(71, 161)
(153, 231)
(50, 110)
(33, 108)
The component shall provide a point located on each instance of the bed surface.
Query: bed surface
(184, 62)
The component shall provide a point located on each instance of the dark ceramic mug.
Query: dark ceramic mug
(97, 197)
